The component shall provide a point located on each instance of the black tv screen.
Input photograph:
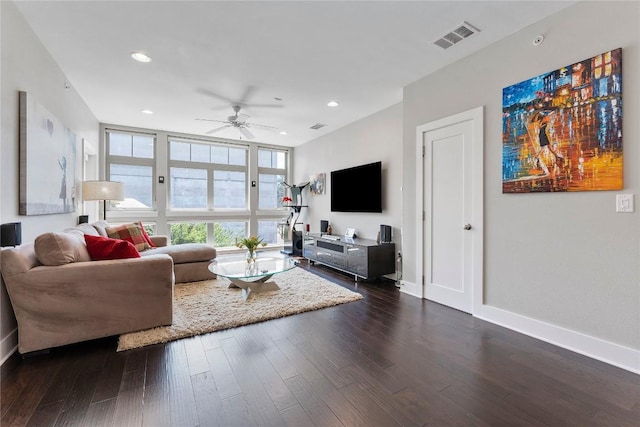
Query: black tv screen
(357, 189)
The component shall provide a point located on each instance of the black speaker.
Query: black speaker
(83, 219)
(385, 233)
(11, 234)
(324, 225)
(297, 243)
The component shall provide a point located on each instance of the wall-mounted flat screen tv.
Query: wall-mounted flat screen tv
(357, 189)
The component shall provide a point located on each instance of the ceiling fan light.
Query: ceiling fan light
(333, 104)
(146, 112)
(140, 56)
(283, 132)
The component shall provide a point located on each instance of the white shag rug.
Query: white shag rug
(210, 305)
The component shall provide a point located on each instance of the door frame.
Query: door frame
(476, 116)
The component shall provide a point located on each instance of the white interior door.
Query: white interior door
(451, 202)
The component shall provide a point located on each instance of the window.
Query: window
(194, 232)
(225, 233)
(216, 191)
(230, 189)
(188, 188)
(207, 176)
(268, 230)
(272, 170)
(130, 160)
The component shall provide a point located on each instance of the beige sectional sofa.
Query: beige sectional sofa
(68, 298)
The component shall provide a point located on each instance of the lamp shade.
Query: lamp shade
(102, 190)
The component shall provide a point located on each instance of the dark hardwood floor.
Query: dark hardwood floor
(388, 360)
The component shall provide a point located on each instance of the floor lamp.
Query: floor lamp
(102, 190)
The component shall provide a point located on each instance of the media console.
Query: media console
(363, 258)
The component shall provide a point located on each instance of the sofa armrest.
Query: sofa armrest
(159, 240)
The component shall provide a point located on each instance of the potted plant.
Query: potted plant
(251, 243)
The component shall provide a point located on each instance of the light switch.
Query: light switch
(624, 202)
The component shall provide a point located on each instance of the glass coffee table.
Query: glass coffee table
(252, 278)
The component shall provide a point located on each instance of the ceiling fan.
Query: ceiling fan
(238, 121)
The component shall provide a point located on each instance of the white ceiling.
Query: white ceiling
(210, 55)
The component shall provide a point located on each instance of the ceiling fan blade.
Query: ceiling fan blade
(215, 121)
(214, 95)
(246, 132)
(256, 125)
(217, 129)
(265, 105)
(248, 93)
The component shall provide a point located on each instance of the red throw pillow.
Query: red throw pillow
(146, 236)
(103, 248)
(131, 233)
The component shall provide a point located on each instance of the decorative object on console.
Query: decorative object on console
(350, 233)
(102, 190)
(562, 130)
(11, 234)
(316, 185)
(47, 156)
(324, 225)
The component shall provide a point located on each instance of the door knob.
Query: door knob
(467, 226)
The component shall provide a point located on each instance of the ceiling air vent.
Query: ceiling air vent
(317, 126)
(463, 31)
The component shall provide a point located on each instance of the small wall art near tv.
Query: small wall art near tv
(562, 130)
(47, 161)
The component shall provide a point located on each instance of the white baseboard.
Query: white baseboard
(596, 348)
(8, 345)
(411, 288)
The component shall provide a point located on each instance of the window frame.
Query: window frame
(161, 214)
(112, 159)
(210, 168)
(271, 171)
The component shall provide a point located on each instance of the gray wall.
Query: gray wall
(27, 66)
(374, 138)
(562, 258)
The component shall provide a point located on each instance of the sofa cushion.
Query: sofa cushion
(145, 235)
(131, 233)
(185, 252)
(60, 248)
(100, 227)
(82, 229)
(104, 248)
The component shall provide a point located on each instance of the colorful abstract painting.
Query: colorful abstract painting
(562, 130)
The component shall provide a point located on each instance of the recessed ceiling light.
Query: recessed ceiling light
(147, 111)
(140, 57)
(333, 104)
(283, 132)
